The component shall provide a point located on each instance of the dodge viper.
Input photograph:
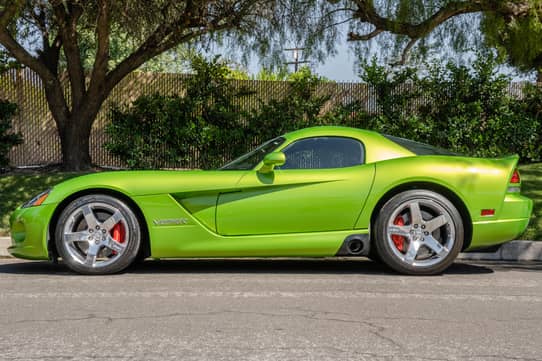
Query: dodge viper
(315, 192)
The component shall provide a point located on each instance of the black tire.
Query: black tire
(113, 258)
(432, 206)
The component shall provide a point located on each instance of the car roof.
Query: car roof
(329, 130)
(377, 147)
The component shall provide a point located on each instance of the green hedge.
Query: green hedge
(466, 110)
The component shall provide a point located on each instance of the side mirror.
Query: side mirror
(272, 160)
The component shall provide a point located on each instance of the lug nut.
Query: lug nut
(415, 226)
(90, 230)
(97, 227)
(423, 226)
(103, 230)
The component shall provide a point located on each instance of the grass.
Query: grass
(531, 186)
(16, 189)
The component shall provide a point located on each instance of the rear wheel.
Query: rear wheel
(419, 232)
(98, 234)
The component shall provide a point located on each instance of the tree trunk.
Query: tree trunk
(74, 126)
(539, 77)
(74, 140)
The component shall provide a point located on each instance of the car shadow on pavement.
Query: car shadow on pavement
(265, 266)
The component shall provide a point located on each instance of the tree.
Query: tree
(413, 21)
(38, 33)
(519, 42)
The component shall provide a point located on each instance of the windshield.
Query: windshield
(251, 159)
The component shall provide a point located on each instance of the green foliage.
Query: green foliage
(20, 187)
(518, 40)
(300, 107)
(281, 73)
(206, 122)
(121, 45)
(160, 129)
(465, 110)
(6, 61)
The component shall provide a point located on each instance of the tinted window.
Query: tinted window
(419, 148)
(323, 152)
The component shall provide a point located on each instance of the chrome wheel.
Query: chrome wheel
(95, 234)
(98, 234)
(421, 232)
(418, 232)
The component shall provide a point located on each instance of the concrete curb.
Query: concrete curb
(514, 251)
(5, 242)
(511, 251)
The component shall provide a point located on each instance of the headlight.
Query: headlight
(37, 200)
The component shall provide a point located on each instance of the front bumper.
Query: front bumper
(511, 222)
(29, 232)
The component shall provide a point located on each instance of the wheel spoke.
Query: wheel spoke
(90, 218)
(415, 213)
(92, 253)
(76, 237)
(399, 230)
(114, 245)
(436, 223)
(435, 246)
(109, 223)
(412, 251)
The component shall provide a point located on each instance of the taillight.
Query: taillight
(515, 179)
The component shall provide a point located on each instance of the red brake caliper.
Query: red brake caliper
(399, 241)
(118, 233)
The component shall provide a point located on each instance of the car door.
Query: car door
(322, 187)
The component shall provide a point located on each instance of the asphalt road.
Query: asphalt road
(270, 310)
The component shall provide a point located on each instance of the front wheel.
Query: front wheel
(418, 232)
(97, 234)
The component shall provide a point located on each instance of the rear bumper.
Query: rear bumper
(512, 221)
(29, 232)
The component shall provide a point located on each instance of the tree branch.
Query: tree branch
(169, 35)
(67, 17)
(404, 55)
(9, 13)
(357, 37)
(367, 13)
(99, 70)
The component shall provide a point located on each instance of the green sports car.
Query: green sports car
(316, 192)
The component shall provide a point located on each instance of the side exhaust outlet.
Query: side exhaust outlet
(355, 245)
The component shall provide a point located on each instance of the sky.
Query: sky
(342, 66)
(339, 67)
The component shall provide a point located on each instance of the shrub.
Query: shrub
(8, 139)
(465, 110)
(300, 107)
(158, 130)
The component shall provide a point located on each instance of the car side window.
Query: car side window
(323, 152)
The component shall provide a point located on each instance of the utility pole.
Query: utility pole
(296, 61)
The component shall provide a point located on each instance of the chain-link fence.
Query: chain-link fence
(41, 142)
